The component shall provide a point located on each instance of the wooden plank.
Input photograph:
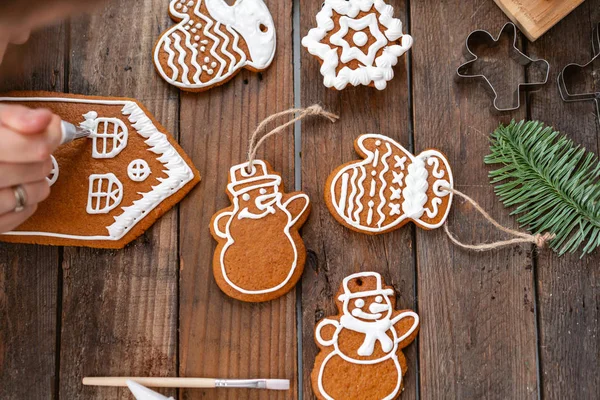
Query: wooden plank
(219, 336)
(568, 286)
(335, 251)
(29, 274)
(478, 335)
(120, 307)
(536, 17)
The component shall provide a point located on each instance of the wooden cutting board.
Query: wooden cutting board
(535, 17)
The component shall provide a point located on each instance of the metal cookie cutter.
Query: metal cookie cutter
(482, 37)
(575, 69)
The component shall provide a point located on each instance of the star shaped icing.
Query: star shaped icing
(350, 52)
(375, 66)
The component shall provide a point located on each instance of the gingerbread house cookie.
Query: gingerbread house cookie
(212, 41)
(108, 189)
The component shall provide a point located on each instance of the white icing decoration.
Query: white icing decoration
(54, 172)
(399, 162)
(269, 202)
(436, 167)
(375, 330)
(398, 178)
(373, 186)
(109, 135)
(373, 69)
(370, 212)
(105, 193)
(249, 19)
(177, 170)
(437, 188)
(434, 204)
(382, 197)
(138, 170)
(360, 38)
(409, 191)
(395, 209)
(415, 192)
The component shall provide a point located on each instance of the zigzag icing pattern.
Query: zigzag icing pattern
(203, 49)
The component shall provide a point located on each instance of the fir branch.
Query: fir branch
(553, 184)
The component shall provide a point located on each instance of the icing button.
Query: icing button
(360, 39)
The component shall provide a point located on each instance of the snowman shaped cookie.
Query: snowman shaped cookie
(360, 349)
(260, 255)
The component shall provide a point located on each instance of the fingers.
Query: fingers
(25, 120)
(10, 221)
(36, 192)
(21, 37)
(14, 174)
(22, 148)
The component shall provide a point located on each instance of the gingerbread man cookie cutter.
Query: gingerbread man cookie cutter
(573, 69)
(483, 37)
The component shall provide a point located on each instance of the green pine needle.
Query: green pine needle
(553, 183)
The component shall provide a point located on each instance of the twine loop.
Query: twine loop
(253, 146)
(540, 240)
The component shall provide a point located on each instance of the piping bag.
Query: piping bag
(71, 132)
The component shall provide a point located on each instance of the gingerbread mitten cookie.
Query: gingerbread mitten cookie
(212, 41)
(260, 255)
(389, 187)
(360, 353)
(357, 42)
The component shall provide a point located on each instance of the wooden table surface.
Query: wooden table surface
(510, 324)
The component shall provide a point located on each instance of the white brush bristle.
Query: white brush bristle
(278, 384)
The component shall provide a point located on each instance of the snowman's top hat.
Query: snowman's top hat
(363, 284)
(243, 177)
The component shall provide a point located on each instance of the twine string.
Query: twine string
(540, 240)
(253, 146)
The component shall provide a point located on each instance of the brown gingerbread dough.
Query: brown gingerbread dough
(260, 255)
(360, 349)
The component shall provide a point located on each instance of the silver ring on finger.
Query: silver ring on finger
(20, 197)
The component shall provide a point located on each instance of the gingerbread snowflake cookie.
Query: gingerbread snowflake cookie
(213, 41)
(357, 42)
(260, 255)
(390, 187)
(360, 353)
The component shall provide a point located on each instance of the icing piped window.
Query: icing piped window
(109, 135)
(105, 193)
(138, 170)
(53, 176)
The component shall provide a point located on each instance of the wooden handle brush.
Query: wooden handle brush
(271, 384)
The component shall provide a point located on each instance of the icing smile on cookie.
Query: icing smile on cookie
(264, 203)
(375, 309)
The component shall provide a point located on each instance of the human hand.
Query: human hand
(27, 139)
